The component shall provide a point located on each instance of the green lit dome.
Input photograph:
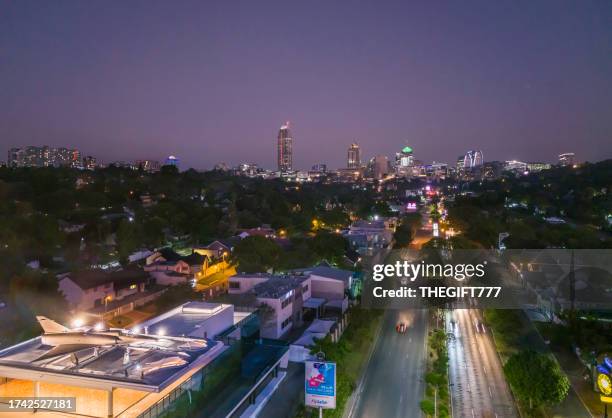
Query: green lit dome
(407, 150)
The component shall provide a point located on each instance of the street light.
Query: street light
(77, 323)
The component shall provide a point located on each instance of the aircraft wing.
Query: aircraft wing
(63, 349)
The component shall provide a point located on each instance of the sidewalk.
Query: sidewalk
(288, 396)
(264, 397)
(574, 370)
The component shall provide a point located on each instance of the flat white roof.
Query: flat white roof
(148, 367)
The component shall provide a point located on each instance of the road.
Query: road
(478, 385)
(393, 383)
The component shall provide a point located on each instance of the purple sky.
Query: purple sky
(212, 81)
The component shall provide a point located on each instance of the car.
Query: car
(480, 327)
(401, 328)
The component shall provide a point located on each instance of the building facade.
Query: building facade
(353, 157)
(44, 156)
(567, 159)
(285, 149)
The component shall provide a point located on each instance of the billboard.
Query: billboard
(320, 384)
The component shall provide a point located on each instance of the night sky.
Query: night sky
(212, 81)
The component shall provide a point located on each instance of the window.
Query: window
(286, 323)
(305, 288)
(132, 286)
(234, 285)
(286, 303)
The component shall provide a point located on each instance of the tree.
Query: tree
(328, 246)
(428, 407)
(128, 238)
(536, 378)
(256, 254)
(403, 236)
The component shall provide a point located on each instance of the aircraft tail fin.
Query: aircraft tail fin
(50, 326)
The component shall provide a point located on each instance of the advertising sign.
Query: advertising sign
(604, 381)
(320, 384)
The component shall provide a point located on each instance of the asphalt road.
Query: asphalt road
(478, 385)
(393, 382)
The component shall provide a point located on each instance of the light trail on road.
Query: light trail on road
(478, 384)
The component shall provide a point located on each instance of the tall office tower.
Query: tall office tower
(404, 162)
(567, 159)
(381, 166)
(285, 149)
(16, 157)
(460, 162)
(354, 157)
(172, 160)
(473, 159)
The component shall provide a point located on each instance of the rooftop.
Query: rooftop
(328, 272)
(87, 279)
(144, 365)
(368, 224)
(187, 318)
(278, 286)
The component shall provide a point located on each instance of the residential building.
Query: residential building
(313, 291)
(217, 250)
(107, 293)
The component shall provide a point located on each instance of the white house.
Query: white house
(90, 289)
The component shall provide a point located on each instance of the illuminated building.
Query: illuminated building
(492, 170)
(44, 156)
(150, 166)
(353, 157)
(437, 171)
(460, 163)
(567, 159)
(473, 159)
(404, 162)
(536, 166)
(284, 149)
(145, 371)
(380, 166)
(514, 165)
(90, 163)
(172, 160)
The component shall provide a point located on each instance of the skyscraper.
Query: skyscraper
(473, 159)
(354, 156)
(285, 149)
(567, 159)
(404, 162)
(172, 160)
(380, 166)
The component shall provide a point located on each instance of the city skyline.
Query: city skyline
(520, 82)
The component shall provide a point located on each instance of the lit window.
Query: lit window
(133, 286)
